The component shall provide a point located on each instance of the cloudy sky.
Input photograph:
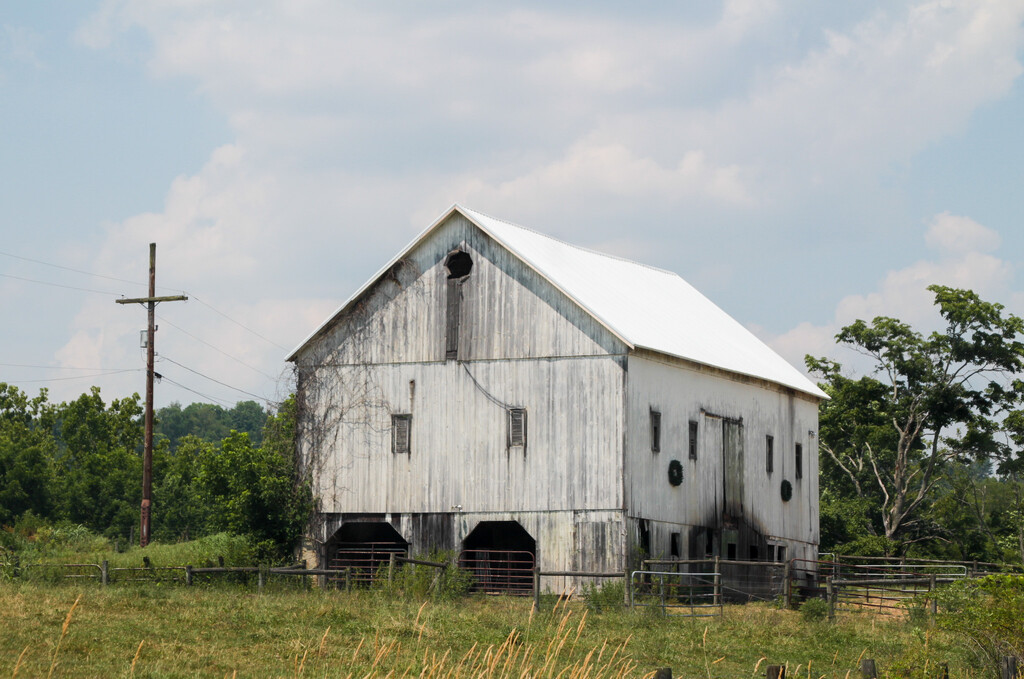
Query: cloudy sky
(802, 163)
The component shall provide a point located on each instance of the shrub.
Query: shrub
(608, 596)
(986, 614)
(814, 610)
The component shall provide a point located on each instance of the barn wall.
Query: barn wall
(590, 541)
(720, 404)
(508, 311)
(459, 444)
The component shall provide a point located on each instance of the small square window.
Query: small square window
(693, 440)
(769, 453)
(401, 434)
(517, 427)
(799, 461)
(655, 431)
(675, 545)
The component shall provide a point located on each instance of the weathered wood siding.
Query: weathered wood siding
(579, 540)
(722, 406)
(522, 344)
(459, 453)
(508, 311)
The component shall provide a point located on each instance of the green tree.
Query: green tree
(26, 453)
(930, 400)
(98, 464)
(257, 491)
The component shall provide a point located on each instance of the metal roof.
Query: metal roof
(644, 306)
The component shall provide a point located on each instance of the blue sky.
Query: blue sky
(802, 163)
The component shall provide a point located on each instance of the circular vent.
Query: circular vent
(675, 472)
(787, 491)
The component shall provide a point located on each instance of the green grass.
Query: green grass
(232, 631)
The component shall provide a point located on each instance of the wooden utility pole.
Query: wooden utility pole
(147, 453)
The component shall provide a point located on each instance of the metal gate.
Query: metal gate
(361, 563)
(499, 571)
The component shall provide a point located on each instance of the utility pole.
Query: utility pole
(147, 453)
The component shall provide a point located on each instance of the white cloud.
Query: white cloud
(954, 234)
(965, 263)
(356, 125)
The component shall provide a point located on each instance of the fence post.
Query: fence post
(348, 579)
(829, 591)
(188, 575)
(867, 669)
(629, 589)
(305, 578)
(536, 589)
(105, 573)
(718, 581)
(787, 575)
(261, 579)
(775, 672)
(933, 603)
(1008, 667)
(391, 569)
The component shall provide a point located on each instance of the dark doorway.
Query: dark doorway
(361, 549)
(501, 556)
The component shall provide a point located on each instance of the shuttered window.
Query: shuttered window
(655, 431)
(517, 427)
(799, 461)
(769, 454)
(693, 440)
(401, 434)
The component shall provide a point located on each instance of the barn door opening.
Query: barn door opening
(360, 550)
(732, 471)
(500, 555)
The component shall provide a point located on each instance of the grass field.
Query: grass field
(224, 631)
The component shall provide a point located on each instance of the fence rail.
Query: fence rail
(846, 583)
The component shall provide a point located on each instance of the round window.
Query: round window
(787, 491)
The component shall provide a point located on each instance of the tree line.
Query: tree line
(214, 469)
(920, 455)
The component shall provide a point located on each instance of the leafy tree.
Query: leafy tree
(98, 465)
(210, 422)
(257, 490)
(930, 400)
(26, 453)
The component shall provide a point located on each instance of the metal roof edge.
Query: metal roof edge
(374, 278)
(536, 269)
(817, 392)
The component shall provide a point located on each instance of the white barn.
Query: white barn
(506, 395)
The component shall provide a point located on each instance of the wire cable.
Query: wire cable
(217, 349)
(68, 268)
(62, 367)
(240, 325)
(58, 285)
(223, 384)
(197, 393)
(80, 377)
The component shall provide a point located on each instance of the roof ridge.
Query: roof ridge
(568, 244)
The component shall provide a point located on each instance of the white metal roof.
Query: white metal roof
(646, 307)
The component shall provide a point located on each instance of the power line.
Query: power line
(197, 393)
(125, 280)
(68, 268)
(217, 349)
(240, 325)
(57, 285)
(81, 377)
(63, 367)
(223, 384)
